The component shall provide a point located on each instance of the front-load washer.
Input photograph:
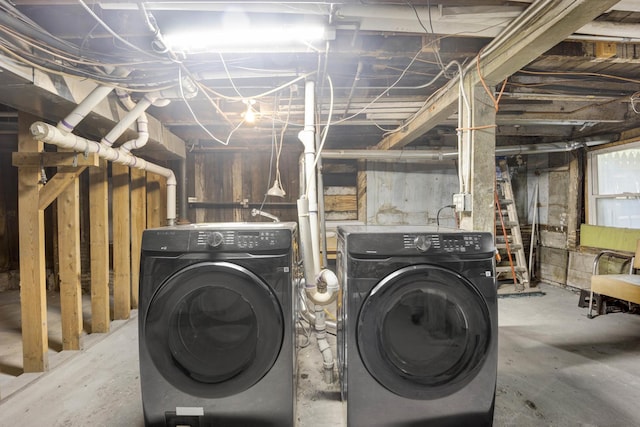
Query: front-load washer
(216, 325)
(417, 326)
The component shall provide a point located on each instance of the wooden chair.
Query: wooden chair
(623, 286)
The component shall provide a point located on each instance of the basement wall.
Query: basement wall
(411, 193)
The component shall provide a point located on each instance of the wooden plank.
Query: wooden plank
(621, 286)
(33, 301)
(99, 236)
(54, 159)
(340, 202)
(162, 201)
(56, 185)
(68, 204)
(121, 242)
(362, 191)
(138, 223)
(341, 216)
(236, 184)
(153, 201)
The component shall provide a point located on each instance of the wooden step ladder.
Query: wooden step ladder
(512, 261)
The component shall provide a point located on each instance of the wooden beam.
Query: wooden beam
(236, 185)
(121, 242)
(33, 300)
(153, 201)
(57, 184)
(24, 85)
(138, 224)
(54, 159)
(542, 26)
(68, 204)
(478, 167)
(99, 235)
(361, 190)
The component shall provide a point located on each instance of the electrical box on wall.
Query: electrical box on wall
(462, 202)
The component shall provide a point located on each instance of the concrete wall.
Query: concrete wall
(410, 193)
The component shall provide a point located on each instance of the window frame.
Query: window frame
(592, 183)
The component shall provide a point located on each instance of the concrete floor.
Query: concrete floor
(556, 367)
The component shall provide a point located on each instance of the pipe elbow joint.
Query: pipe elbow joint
(321, 298)
(328, 280)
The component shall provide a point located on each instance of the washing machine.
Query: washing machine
(417, 326)
(216, 325)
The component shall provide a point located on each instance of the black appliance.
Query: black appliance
(418, 327)
(216, 325)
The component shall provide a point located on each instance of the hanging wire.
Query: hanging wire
(114, 34)
(325, 132)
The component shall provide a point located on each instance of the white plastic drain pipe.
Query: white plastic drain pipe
(321, 286)
(51, 135)
(62, 136)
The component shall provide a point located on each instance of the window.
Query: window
(614, 186)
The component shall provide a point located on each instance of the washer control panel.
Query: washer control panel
(220, 237)
(445, 243)
(240, 239)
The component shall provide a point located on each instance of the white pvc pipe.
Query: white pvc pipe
(307, 137)
(67, 124)
(429, 155)
(133, 115)
(143, 135)
(305, 239)
(52, 135)
(323, 345)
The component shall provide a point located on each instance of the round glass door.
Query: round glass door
(214, 329)
(424, 332)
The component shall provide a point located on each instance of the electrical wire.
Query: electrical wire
(226, 70)
(436, 51)
(263, 94)
(325, 132)
(195, 117)
(273, 144)
(114, 34)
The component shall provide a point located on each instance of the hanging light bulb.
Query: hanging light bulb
(249, 116)
(276, 189)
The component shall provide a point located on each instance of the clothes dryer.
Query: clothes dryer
(418, 327)
(216, 325)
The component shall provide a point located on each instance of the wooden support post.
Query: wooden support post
(99, 224)
(121, 242)
(574, 202)
(70, 267)
(138, 223)
(479, 151)
(33, 300)
(153, 201)
(362, 190)
(236, 186)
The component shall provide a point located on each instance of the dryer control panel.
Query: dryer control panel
(413, 241)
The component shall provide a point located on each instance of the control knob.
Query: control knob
(423, 243)
(215, 239)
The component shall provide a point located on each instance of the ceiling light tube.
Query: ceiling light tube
(243, 38)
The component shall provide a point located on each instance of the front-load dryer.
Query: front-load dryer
(417, 326)
(216, 325)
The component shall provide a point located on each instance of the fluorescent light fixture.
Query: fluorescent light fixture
(246, 38)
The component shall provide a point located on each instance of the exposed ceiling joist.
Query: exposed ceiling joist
(543, 25)
(56, 96)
